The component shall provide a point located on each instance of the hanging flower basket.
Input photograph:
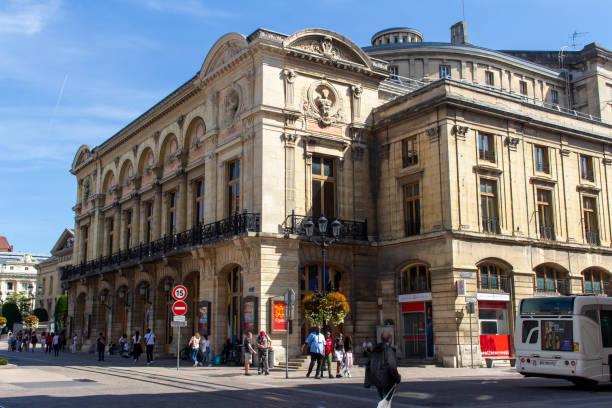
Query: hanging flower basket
(2, 322)
(31, 322)
(322, 309)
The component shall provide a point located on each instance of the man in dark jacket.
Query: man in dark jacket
(381, 369)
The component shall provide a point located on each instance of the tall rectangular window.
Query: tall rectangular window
(128, 229)
(172, 213)
(486, 148)
(233, 187)
(394, 71)
(489, 78)
(523, 87)
(554, 97)
(323, 187)
(445, 71)
(545, 218)
(541, 159)
(51, 285)
(44, 284)
(410, 154)
(199, 202)
(111, 232)
(488, 206)
(586, 168)
(591, 231)
(9, 286)
(85, 235)
(412, 209)
(149, 221)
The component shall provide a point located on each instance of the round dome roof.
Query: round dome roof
(397, 35)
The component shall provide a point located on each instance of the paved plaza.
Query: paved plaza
(79, 380)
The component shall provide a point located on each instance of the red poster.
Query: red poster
(278, 316)
(495, 345)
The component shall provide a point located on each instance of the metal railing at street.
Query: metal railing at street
(168, 245)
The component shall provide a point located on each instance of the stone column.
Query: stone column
(289, 171)
(210, 195)
(181, 192)
(157, 214)
(136, 222)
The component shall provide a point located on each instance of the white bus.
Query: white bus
(566, 337)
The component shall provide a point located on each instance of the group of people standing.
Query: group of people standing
(26, 340)
(261, 348)
(323, 350)
(200, 350)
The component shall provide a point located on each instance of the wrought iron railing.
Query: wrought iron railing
(494, 283)
(168, 245)
(350, 229)
(592, 237)
(490, 225)
(547, 232)
(542, 167)
(488, 155)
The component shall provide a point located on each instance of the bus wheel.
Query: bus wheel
(583, 383)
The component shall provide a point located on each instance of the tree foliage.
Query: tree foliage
(22, 300)
(61, 312)
(41, 313)
(10, 310)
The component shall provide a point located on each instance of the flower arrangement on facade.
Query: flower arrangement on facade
(31, 322)
(320, 309)
(2, 322)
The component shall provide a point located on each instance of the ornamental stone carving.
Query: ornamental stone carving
(323, 103)
(231, 102)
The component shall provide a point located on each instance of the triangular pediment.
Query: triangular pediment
(65, 242)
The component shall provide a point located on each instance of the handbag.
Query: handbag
(384, 403)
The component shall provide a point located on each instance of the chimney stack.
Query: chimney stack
(459, 33)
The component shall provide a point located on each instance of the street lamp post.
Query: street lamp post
(324, 240)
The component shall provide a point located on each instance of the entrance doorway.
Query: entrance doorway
(417, 330)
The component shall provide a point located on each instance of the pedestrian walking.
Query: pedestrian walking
(123, 342)
(49, 340)
(381, 369)
(136, 346)
(56, 344)
(26, 341)
(205, 349)
(262, 343)
(75, 344)
(339, 353)
(348, 356)
(63, 341)
(150, 345)
(367, 347)
(101, 345)
(194, 345)
(316, 343)
(248, 352)
(10, 341)
(327, 357)
(34, 341)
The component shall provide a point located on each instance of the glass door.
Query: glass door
(414, 335)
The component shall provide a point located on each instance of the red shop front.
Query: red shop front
(494, 328)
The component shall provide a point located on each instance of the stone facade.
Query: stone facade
(210, 186)
(18, 273)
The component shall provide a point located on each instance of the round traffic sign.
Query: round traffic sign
(179, 308)
(179, 292)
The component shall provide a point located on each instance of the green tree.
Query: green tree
(23, 301)
(61, 312)
(10, 310)
(41, 313)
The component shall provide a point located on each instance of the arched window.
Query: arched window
(234, 292)
(416, 278)
(595, 282)
(492, 278)
(551, 280)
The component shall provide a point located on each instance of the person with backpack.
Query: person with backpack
(381, 369)
(263, 344)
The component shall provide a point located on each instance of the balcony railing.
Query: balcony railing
(552, 287)
(411, 158)
(592, 237)
(487, 155)
(494, 284)
(543, 167)
(490, 225)
(168, 245)
(596, 288)
(350, 229)
(547, 232)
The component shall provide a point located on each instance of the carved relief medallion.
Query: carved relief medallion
(323, 103)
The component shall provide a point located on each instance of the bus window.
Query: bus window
(557, 335)
(534, 337)
(528, 325)
(606, 328)
(548, 306)
(590, 311)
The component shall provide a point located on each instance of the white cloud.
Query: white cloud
(26, 16)
(193, 8)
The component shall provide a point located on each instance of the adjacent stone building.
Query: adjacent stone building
(49, 273)
(18, 273)
(457, 172)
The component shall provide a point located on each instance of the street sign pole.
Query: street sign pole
(178, 348)
(470, 310)
(289, 300)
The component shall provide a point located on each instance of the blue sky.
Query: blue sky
(75, 72)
